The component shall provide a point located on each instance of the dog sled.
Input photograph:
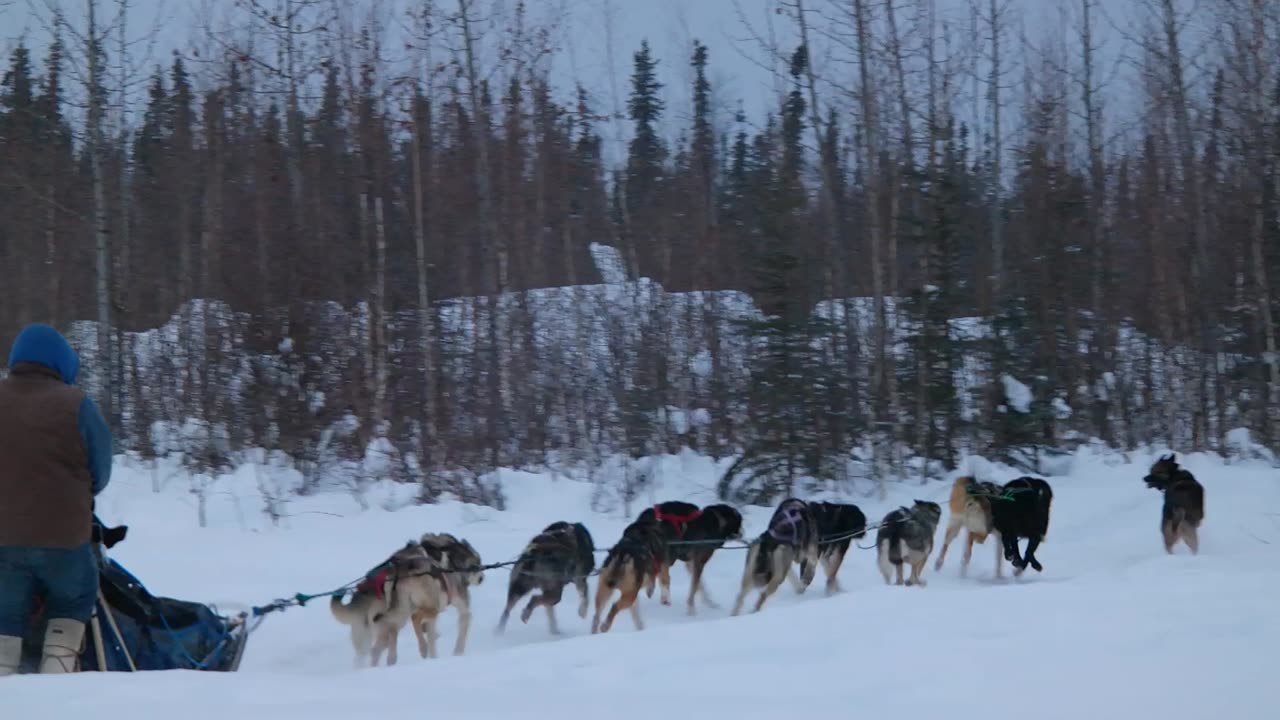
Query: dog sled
(132, 630)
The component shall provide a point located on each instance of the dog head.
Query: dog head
(726, 520)
(1162, 472)
(464, 555)
(927, 511)
(109, 537)
(453, 553)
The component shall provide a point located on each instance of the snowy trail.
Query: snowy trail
(1113, 628)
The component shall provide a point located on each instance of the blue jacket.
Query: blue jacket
(43, 345)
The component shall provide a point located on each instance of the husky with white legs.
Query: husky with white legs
(906, 536)
(792, 537)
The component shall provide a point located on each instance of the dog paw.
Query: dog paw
(665, 601)
(582, 611)
(1037, 566)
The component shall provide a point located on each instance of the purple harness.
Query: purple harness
(788, 515)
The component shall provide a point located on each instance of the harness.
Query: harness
(791, 517)
(376, 581)
(678, 522)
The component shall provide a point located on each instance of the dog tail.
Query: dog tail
(887, 540)
(586, 546)
(611, 567)
(345, 613)
(766, 545)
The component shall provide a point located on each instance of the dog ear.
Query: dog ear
(112, 536)
(1173, 457)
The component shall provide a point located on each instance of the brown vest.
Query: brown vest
(46, 492)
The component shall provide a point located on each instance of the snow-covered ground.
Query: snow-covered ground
(1113, 628)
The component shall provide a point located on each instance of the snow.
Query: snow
(1017, 393)
(1061, 409)
(1114, 627)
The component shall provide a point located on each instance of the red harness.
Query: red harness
(377, 581)
(677, 521)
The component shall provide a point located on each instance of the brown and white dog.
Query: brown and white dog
(970, 509)
(463, 571)
(382, 604)
(635, 561)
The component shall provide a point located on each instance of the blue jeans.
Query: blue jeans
(68, 580)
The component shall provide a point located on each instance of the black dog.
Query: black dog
(691, 535)
(562, 553)
(838, 525)
(1183, 503)
(1021, 510)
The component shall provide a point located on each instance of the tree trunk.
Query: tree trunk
(491, 238)
(425, 324)
(1196, 226)
(883, 382)
(102, 228)
(1098, 337)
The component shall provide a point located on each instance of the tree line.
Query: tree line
(293, 246)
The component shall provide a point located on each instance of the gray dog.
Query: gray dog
(906, 535)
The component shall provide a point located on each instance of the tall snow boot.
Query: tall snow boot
(10, 654)
(62, 641)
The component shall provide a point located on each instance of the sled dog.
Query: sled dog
(692, 536)
(906, 536)
(839, 524)
(635, 561)
(562, 553)
(463, 565)
(970, 509)
(1022, 511)
(792, 536)
(382, 604)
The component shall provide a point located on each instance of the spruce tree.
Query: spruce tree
(789, 374)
